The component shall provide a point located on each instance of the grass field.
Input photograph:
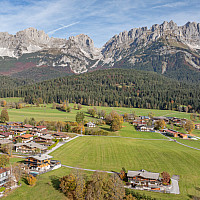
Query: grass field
(47, 113)
(12, 99)
(112, 154)
(192, 143)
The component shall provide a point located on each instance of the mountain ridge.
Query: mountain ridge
(161, 48)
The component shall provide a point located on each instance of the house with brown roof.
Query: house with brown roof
(41, 128)
(25, 138)
(44, 139)
(28, 126)
(59, 136)
(6, 135)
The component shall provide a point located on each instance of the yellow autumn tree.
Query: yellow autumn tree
(189, 126)
(31, 180)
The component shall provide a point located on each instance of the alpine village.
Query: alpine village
(117, 122)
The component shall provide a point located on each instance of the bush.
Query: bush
(2, 189)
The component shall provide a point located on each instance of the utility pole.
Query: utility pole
(81, 132)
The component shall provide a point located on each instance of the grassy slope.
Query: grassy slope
(113, 153)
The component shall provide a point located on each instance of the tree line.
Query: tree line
(114, 87)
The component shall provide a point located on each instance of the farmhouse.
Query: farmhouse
(173, 133)
(4, 176)
(14, 124)
(91, 125)
(143, 179)
(145, 128)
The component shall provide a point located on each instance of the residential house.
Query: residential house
(59, 136)
(31, 147)
(25, 138)
(143, 179)
(40, 162)
(14, 124)
(28, 126)
(91, 125)
(197, 126)
(173, 133)
(19, 131)
(6, 135)
(44, 139)
(4, 176)
(145, 128)
(41, 128)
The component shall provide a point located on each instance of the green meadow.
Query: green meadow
(105, 153)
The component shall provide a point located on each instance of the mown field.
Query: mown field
(104, 153)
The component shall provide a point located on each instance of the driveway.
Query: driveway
(175, 187)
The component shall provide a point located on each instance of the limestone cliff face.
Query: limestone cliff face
(79, 54)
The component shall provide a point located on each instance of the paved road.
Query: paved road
(90, 170)
(170, 139)
(60, 144)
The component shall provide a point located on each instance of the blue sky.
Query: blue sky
(99, 19)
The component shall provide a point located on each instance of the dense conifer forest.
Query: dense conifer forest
(113, 87)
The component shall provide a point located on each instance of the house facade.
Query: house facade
(40, 162)
(144, 180)
(4, 175)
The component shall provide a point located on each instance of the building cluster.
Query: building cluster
(27, 138)
(144, 123)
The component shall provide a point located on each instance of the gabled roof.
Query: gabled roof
(28, 126)
(143, 173)
(6, 134)
(26, 136)
(40, 127)
(2, 170)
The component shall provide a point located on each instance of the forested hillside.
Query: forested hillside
(11, 83)
(114, 87)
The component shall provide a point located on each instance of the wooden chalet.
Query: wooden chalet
(40, 162)
(143, 179)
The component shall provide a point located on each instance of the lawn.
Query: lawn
(112, 154)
